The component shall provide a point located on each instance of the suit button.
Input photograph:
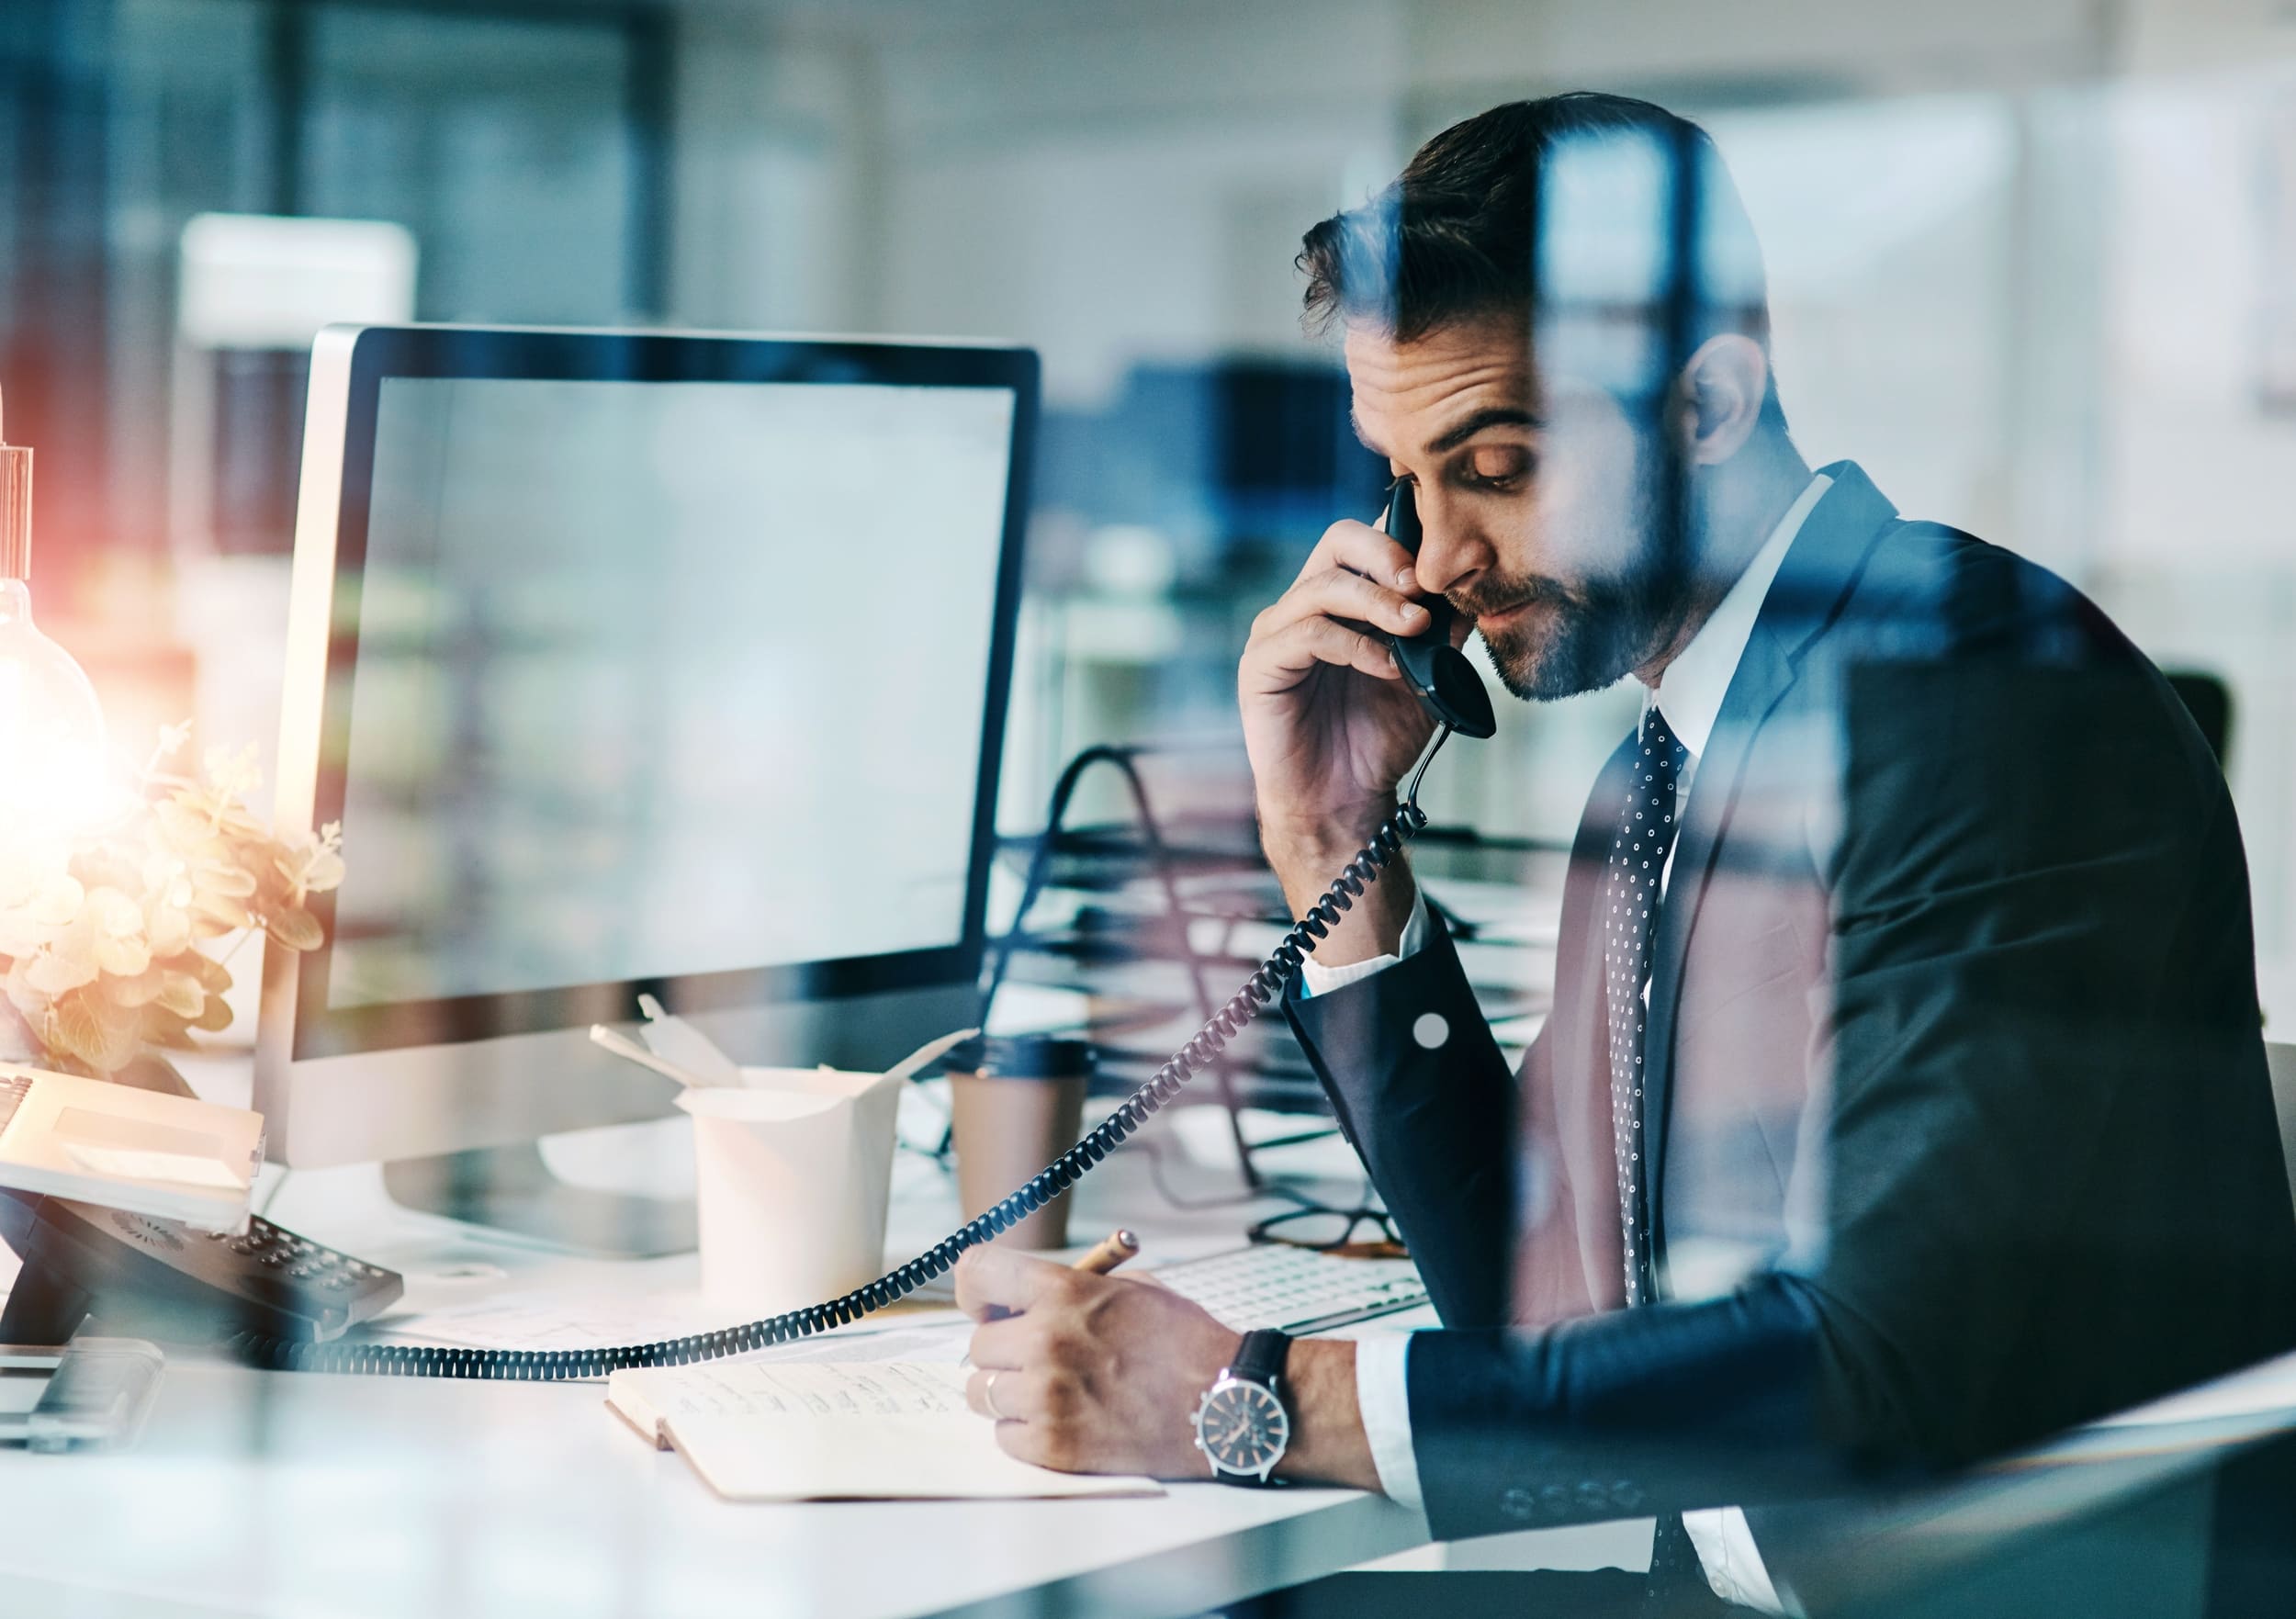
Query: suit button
(1626, 1493)
(1555, 1498)
(1431, 1030)
(1592, 1497)
(1516, 1503)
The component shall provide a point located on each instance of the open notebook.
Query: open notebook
(836, 1431)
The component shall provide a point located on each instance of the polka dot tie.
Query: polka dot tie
(1647, 827)
(1629, 911)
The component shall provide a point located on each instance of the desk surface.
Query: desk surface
(275, 1494)
(268, 1493)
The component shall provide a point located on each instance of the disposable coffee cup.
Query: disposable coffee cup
(1016, 1104)
(792, 1171)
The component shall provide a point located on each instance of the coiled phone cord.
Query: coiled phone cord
(1258, 992)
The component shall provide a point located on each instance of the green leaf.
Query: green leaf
(75, 1029)
(139, 989)
(181, 995)
(161, 1029)
(297, 930)
(220, 910)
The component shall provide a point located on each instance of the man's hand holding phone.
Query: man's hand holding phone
(1331, 726)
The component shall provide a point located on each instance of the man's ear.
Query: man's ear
(1721, 393)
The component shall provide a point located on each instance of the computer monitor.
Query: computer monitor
(632, 661)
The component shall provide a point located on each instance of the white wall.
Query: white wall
(777, 191)
(1138, 191)
(2017, 250)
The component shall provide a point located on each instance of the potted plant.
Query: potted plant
(115, 942)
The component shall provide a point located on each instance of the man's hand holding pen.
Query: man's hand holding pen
(1083, 1372)
(1091, 1373)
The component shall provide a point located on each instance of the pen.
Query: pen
(1104, 1256)
(1108, 1252)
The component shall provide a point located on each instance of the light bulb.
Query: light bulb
(54, 776)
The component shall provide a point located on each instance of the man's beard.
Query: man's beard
(1584, 637)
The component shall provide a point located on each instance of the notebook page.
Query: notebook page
(933, 1456)
(833, 1389)
(839, 1431)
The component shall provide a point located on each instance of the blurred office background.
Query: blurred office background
(2034, 264)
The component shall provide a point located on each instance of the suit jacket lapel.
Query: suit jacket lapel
(1819, 568)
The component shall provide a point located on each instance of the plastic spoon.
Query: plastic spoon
(926, 1054)
(632, 1051)
(673, 1040)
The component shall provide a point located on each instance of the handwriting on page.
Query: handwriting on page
(812, 1389)
(941, 1338)
(837, 1431)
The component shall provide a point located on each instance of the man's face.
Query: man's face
(1540, 503)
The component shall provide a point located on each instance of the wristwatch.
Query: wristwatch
(1241, 1425)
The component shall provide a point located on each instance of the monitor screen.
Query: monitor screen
(662, 679)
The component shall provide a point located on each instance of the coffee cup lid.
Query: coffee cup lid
(1021, 1056)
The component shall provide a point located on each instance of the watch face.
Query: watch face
(1242, 1426)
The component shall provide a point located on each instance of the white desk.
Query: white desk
(284, 1493)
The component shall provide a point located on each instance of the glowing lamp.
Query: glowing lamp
(52, 753)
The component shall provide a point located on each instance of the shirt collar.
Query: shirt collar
(1690, 693)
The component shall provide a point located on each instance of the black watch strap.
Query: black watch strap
(1260, 1357)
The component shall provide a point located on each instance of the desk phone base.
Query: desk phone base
(130, 1274)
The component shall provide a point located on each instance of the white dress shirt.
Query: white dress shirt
(1690, 694)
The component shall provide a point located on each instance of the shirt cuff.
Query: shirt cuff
(1383, 1401)
(1317, 980)
(1733, 1565)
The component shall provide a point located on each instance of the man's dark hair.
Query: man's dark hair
(1457, 236)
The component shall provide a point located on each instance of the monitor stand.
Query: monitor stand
(512, 1189)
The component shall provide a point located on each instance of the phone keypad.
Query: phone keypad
(280, 1252)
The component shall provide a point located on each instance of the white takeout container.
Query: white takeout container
(791, 1174)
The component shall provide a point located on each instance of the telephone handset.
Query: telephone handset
(1438, 674)
(1455, 697)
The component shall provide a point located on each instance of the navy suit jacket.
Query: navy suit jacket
(1954, 1059)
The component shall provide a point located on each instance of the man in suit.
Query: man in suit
(1903, 1098)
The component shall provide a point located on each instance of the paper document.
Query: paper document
(135, 1163)
(940, 1339)
(837, 1431)
(555, 1320)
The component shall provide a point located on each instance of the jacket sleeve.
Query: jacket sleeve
(1423, 1095)
(2021, 1229)
(1663, 1409)
(2045, 1186)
